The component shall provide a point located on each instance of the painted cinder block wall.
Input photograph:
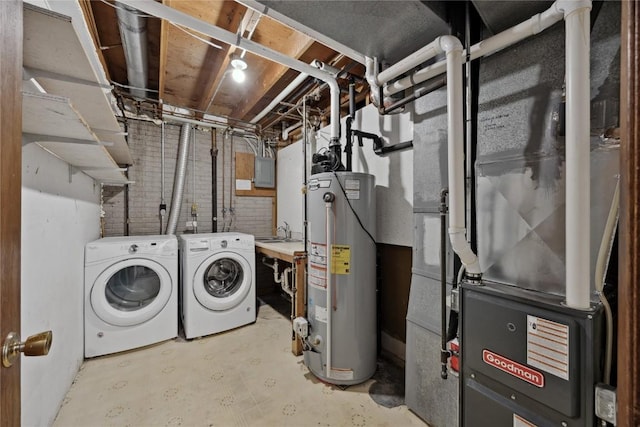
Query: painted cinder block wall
(251, 214)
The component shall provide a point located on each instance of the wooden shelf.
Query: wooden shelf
(73, 119)
(53, 123)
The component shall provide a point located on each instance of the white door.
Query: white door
(131, 292)
(222, 281)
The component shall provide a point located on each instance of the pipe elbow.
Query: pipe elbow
(567, 7)
(462, 248)
(449, 44)
(371, 75)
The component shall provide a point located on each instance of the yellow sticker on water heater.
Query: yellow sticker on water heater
(340, 259)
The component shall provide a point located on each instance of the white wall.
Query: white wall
(58, 219)
(289, 179)
(393, 173)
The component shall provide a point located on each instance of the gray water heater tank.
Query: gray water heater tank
(341, 294)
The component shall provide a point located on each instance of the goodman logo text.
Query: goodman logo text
(514, 368)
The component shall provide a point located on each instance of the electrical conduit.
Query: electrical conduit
(178, 182)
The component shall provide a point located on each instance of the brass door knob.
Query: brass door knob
(35, 345)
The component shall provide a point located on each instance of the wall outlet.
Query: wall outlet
(301, 327)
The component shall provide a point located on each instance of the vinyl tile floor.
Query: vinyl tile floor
(244, 377)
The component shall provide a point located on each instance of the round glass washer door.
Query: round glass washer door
(131, 292)
(222, 281)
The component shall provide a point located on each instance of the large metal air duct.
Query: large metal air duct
(133, 32)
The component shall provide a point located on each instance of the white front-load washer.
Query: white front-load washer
(130, 293)
(218, 282)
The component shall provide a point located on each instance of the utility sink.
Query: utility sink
(276, 239)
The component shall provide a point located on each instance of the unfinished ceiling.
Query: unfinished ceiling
(187, 69)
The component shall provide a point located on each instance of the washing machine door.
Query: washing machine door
(131, 292)
(222, 281)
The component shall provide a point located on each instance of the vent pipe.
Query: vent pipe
(577, 147)
(133, 33)
(178, 182)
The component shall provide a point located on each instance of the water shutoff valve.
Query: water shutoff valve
(301, 327)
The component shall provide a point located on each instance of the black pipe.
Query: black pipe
(352, 113)
(126, 208)
(444, 353)
(432, 85)
(352, 98)
(126, 189)
(214, 181)
(396, 147)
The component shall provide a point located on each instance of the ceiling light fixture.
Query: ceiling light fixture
(239, 65)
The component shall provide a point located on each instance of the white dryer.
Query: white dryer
(130, 293)
(218, 282)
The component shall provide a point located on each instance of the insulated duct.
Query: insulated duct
(178, 182)
(133, 33)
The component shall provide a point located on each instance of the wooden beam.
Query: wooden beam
(234, 14)
(299, 299)
(11, 41)
(87, 11)
(164, 43)
(276, 36)
(629, 248)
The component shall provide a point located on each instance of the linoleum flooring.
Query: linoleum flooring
(244, 377)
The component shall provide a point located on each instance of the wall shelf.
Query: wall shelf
(73, 119)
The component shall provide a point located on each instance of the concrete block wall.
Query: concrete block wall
(250, 214)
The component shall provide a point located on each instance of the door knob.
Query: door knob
(35, 345)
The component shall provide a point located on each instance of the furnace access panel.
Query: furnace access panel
(527, 360)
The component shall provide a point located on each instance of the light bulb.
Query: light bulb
(238, 75)
(238, 63)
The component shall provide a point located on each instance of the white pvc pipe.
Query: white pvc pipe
(508, 37)
(290, 88)
(177, 17)
(409, 62)
(285, 133)
(455, 122)
(577, 33)
(329, 284)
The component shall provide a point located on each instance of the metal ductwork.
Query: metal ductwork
(133, 33)
(178, 181)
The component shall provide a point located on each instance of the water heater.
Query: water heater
(340, 343)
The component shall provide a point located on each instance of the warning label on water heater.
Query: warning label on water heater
(317, 276)
(340, 259)
(352, 188)
(548, 346)
(341, 374)
(318, 253)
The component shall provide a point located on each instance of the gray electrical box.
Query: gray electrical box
(527, 360)
(265, 172)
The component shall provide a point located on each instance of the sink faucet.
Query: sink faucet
(286, 229)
